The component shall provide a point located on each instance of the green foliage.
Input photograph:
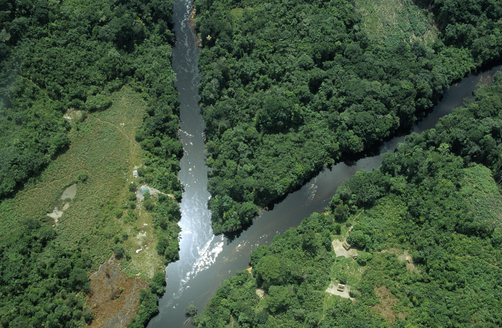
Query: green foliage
(289, 88)
(42, 283)
(358, 239)
(82, 177)
(191, 310)
(278, 298)
(158, 283)
(364, 258)
(168, 243)
(148, 301)
(72, 55)
(119, 251)
(340, 212)
(132, 186)
(269, 271)
(473, 25)
(294, 278)
(97, 102)
(433, 199)
(147, 309)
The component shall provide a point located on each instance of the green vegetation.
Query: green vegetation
(393, 21)
(148, 301)
(41, 283)
(86, 96)
(428, 229)
(289, 87)
(57, 55)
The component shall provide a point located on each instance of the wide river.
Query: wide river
(205, 259)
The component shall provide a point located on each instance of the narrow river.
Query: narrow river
(205, 259)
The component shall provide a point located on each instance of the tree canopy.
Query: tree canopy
(59, 55)
(288, 87)
(64, 56)
(427, 230)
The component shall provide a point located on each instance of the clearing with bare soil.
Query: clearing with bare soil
(114, 297)
(341, 251)
(386, 305)
(333, 290)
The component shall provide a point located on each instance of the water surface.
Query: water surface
(205, 259)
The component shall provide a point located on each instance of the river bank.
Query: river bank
(205, 259)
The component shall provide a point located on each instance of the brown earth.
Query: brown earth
(114, 297)
(385, 307)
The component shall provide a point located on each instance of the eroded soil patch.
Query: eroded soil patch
(114, 296)
(385, 307)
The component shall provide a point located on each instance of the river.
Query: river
(205, 259)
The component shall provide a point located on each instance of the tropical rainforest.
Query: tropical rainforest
(428, 232)
(290, 87)
(74, 56)
(287, 88)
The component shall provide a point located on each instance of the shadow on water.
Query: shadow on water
(205, 259)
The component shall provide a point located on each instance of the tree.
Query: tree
(269, 271)
(191, 310)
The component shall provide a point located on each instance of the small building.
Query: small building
(346, 245)
(355, 256)
(340, 288)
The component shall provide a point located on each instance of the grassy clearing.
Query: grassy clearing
(393, 21)
(483, 195)
(103, 152)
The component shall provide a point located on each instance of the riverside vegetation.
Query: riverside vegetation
(289, 87)
(436, 198)
(106, 66)
(302, 82)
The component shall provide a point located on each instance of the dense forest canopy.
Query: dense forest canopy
(434, 198)
(289, 87)
(42, 284)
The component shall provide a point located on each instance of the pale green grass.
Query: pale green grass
(102, 147)
(392, 21)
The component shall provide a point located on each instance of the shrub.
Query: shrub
(82, 177)
(364, 258)
(119, 251)
(191, 310)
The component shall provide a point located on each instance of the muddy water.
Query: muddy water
(70, 192)
(205, 259)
